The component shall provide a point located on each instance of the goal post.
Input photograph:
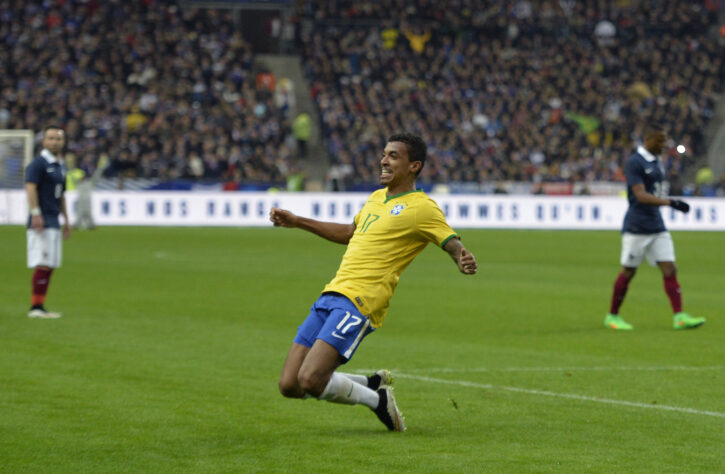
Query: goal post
(16, 152)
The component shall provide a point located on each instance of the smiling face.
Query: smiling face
(54, 140)
(397, 172)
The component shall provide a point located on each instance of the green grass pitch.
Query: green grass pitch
(167, 356)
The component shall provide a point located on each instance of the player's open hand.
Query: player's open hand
(467, 263)
(282, 218)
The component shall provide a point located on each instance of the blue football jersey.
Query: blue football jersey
(50, 180)
(643, 218)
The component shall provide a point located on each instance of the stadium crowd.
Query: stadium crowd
(164, 92)
(517, 90)
(525, 90)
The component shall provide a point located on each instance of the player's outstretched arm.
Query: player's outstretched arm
(464, 259)
(339, 233)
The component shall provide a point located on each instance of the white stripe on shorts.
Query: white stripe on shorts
(351, 349)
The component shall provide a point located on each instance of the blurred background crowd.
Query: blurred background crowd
(523, 91)
(165, 92)
(533, 91)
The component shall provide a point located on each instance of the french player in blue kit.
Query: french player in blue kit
(45, 189)
(644, 234)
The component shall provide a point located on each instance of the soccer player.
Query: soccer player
(45, 188)
(394, 226)
(644, 234)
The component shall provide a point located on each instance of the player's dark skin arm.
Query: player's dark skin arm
(339, 233)
(464, 259)
(643, 197)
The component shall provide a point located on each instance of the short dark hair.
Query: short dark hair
(653, 128)
(417, 149)
(51, 127)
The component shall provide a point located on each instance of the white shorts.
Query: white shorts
(44, 248)
(655, 247)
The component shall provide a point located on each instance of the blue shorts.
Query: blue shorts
(334, 319)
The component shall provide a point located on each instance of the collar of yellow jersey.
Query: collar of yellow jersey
(402, 194)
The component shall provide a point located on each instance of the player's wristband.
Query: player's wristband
(35, 211)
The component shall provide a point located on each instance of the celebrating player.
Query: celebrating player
(45, 189)
(394, 226)
(644, 234)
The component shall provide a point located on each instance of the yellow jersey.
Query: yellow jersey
(389, 233)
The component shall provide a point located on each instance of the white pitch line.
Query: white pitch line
(571, 396)
(563, 369)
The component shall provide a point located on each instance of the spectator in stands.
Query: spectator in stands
(302, 129)
(126, 78)
(488, 80)
(389, 35)
(266, 83)
(295, 179)
(484, 94)
(417, 39)
(284, 97)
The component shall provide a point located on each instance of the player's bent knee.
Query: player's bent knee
(290, 389)
(311, 383)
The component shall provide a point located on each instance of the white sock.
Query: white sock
(361, 379)
(341, 389)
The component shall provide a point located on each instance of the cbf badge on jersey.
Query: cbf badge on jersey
(397, 209)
